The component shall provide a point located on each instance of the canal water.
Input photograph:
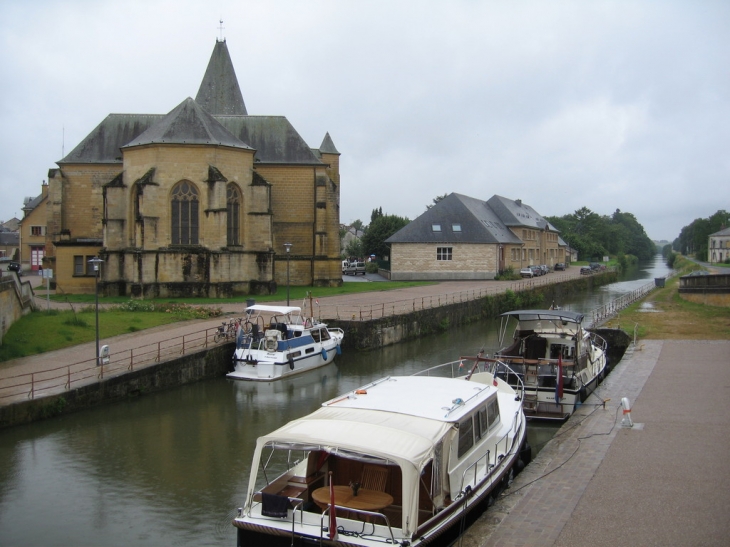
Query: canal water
(170, 468)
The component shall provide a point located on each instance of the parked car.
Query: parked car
(545, 269)
(559, 266)
(354, 268)
(537, 271)
(527, 272)
(595, 266)
(586, 270)
(15, 267)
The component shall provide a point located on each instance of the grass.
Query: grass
(664, 315)
(295, 294)
(43, 331)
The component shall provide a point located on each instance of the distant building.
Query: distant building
(718, 247)
(196, 202)
(466, 238)
(33, 231)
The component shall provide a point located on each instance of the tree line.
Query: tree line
(693, 238)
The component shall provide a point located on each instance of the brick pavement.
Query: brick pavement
(666, 481)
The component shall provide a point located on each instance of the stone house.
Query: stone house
(33, 231)
(466, 238)
(196, 202)
(718, 246)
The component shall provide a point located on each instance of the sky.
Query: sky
(562, 104)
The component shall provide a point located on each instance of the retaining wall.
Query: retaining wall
(211, 363)
(377, 333)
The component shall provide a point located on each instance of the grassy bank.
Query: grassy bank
(663, 314)
(43, 331)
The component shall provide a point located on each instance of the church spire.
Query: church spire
(219, 93)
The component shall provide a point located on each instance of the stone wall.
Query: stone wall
(365, 335)
(211, 363)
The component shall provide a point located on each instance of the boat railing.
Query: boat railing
(367, 514)
(509, 439)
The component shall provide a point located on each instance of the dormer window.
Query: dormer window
(456, 227)
(436, 227)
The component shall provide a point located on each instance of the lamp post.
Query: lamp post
(96, 262)
(287, 246)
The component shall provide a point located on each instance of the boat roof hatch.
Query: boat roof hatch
(274, 309)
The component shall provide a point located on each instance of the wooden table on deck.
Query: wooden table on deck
(366, 500)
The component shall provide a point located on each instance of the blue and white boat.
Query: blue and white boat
(276, 341)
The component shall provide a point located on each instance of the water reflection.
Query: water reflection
(170, 468)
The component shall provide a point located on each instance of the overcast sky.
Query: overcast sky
(608, 105)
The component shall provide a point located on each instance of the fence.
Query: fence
(607, 311)
(66, 377)
(368, 312)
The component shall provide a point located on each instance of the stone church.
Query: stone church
(197, 202)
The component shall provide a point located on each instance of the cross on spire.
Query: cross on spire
(220, 28)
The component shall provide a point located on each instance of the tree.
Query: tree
(357, 224)
(380, 229)
(377, 213)
(436, 200)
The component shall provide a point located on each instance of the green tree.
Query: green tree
(380, 229)
(436, 200)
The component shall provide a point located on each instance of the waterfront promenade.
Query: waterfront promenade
(55, 372)
(663, 482)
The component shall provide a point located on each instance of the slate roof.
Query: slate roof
(273, 137)
(188, 123)
(104, 143)
(478, 222)
(723, 232)
(516, 213)
(219, 92)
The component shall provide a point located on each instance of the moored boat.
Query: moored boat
(400, 461)
(276, 341)
(557, 360)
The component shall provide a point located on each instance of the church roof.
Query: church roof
(460, 219)
(273, 137)
(187, 123)
(103, 144)
(327, 146)
(219, 92)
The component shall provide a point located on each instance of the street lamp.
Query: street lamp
(287, 246)
(96, 263)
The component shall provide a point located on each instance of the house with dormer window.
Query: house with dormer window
(464, 238)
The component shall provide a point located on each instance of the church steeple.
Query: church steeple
(219, 93)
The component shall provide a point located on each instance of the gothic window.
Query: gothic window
(233, 203)
(184, 215)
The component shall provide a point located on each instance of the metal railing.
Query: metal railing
(360, 312)
(63, 378)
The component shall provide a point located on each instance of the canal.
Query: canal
(170, 468)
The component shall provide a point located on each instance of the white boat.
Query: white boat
(399, 461)
(558, 361)
(276, 341)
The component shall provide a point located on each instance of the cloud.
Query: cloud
(608, 105)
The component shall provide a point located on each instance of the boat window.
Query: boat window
(466, 435)
(483, 425)
(493, 411)
(315, 335)
(325, 334)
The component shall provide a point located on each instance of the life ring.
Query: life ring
(270, 344)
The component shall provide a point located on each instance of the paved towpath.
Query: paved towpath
(348, 306)
(664, 482)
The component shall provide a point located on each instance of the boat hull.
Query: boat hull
(267, 367)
